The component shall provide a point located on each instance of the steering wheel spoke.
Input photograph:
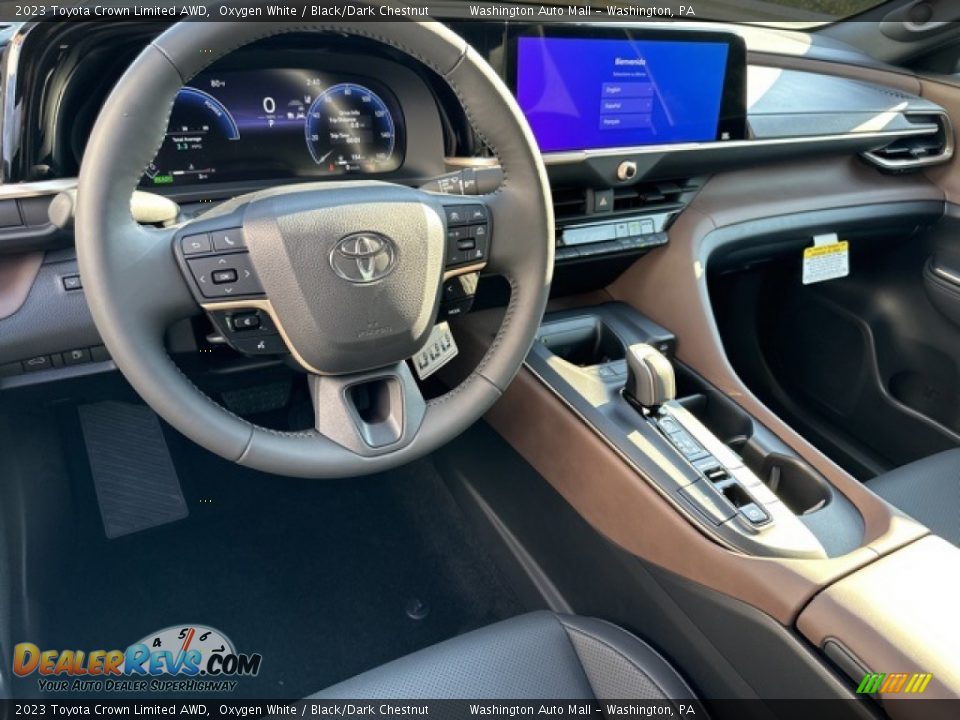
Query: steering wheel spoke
(369, 413)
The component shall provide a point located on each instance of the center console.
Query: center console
(714, 463)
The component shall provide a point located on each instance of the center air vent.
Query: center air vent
(570, 203)
(932, 144)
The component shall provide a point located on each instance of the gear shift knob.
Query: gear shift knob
(650, 378)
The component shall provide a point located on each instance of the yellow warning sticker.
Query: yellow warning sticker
(826, 262)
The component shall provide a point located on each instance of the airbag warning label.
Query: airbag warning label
(828, 259)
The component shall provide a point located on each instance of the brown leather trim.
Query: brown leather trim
(897, 615)
(669, 286)
(17, 274)
(947, 95)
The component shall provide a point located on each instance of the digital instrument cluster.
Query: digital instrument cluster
(239, 125)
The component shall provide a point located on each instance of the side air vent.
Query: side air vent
(924, 148)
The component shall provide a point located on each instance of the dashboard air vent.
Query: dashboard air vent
(570, 203)
(919, 150)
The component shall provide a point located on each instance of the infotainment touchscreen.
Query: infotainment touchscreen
(589, 93)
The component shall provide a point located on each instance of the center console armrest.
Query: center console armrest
(896, 617)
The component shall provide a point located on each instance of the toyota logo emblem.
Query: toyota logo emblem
(363, 257)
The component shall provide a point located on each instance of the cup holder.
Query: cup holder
(799, 486)
(583, 342)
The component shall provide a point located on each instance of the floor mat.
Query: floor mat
(317, 576)
(136, 483)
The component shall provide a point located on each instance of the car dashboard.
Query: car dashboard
(627, 138)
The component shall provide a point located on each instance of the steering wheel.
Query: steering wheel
(350, 273)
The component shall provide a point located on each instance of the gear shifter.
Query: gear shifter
(650, 378)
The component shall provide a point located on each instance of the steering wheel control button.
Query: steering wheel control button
(222, 276)
(260, 345)
(244, 322)
(457, 234)
(230, 239)
(195, 244)
(456, 214)
(469, 241)
(477, 214)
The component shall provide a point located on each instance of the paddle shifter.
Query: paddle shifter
(650, 378)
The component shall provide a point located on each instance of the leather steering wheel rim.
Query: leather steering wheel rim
(135, 288)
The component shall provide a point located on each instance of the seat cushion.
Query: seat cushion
(541, 655)
(928, 490)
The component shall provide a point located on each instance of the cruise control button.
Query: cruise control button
(229, 239)
(479, 231)
(195, 244)
(476, 214)
(456, 214)
(456, 234)
(260, 345)
(468, 244)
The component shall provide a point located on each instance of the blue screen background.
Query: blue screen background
(575, 97)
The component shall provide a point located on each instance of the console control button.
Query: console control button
(71, 282)
(754, 513)
(220, 276)
(76, 357)
(40, 362)
(195, 244)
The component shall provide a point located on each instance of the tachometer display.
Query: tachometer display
(200, 129)
(350, 128)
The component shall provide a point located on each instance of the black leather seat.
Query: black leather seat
(928, 490)
(537, 656)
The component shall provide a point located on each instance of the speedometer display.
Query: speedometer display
(252, 125)
(350, 128)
